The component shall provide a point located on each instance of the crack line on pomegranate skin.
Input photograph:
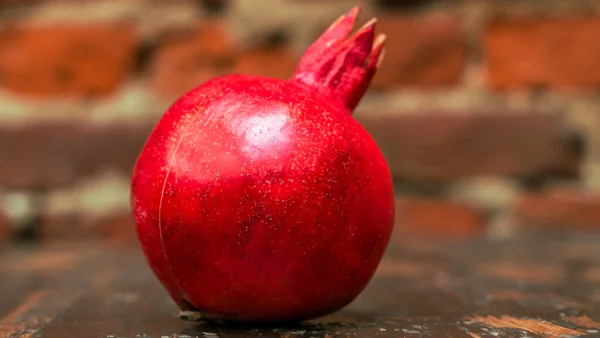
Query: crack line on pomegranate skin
(162, 195)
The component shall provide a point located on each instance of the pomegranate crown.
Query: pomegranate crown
(342, 65)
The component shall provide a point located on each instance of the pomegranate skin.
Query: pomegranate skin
(259, 199)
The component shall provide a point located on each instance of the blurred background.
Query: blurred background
(488, 111)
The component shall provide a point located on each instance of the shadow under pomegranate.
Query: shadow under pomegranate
(329, 324)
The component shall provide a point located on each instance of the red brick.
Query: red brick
(118, 228)
(50, 155)
(66, 60)
(186, 60)
(277, 62)
(566, 210)
(553, 52)
(443, 146)
(63, 227)
(437, 218)
(424, 51)
(418, 147)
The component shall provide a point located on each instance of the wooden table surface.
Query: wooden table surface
(529, 288)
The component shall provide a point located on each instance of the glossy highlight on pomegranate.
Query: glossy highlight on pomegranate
(264, 200)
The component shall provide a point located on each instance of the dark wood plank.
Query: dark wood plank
(531, 288)
(36, 288)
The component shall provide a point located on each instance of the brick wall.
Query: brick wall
(488, 111)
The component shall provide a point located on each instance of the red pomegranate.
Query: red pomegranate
(258, 199)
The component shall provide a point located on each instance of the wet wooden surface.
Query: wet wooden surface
(531, 288)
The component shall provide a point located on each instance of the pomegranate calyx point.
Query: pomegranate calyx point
(342, 65)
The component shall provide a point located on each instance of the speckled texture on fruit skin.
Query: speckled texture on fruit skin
(258, 199)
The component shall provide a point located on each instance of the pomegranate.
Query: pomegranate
(263, 200)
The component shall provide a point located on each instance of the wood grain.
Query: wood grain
(533, 288)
